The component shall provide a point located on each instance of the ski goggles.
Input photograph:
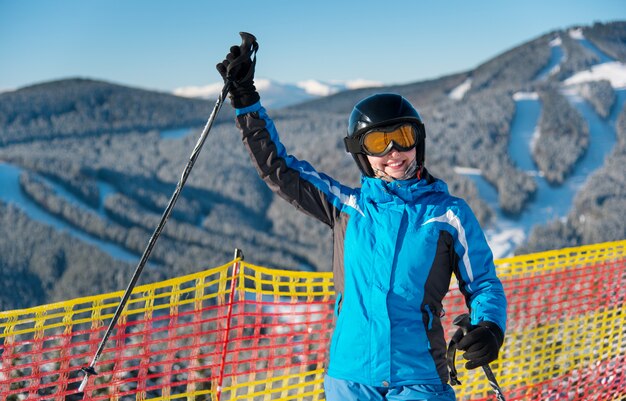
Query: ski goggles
(380, 141)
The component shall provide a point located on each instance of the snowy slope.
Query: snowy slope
(507, 232)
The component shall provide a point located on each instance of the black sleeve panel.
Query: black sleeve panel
(282, 179)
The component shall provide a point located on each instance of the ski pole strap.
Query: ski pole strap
(451, 357)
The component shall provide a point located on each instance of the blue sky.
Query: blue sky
(164, 45)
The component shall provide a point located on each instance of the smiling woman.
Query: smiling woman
(395, 165)
(398, 239)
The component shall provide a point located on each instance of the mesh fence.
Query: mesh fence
(244, 332)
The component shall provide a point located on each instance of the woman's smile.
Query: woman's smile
(394, 164)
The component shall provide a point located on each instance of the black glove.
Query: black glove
(481, 344)
(241, 74)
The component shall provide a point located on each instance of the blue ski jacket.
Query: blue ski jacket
(396, 246)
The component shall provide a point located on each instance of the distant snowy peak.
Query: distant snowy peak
(210, 91)
(276, 94)
(319, 88)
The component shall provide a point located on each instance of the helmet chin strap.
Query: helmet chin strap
(410, 172)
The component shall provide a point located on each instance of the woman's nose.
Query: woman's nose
(393, 152)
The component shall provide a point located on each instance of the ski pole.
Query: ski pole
(463, 321)
(249, 47)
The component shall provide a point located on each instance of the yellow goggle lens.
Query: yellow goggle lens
(376, 142)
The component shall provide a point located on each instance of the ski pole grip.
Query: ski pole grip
(248, 47)
(463, 321)
(248, 43)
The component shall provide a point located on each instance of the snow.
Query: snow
(556, 42)
(319, 88)
(576, 34)
(311, 87)
(503, 243)
(505, 237)
(525, 96)
(534, 139)
(206, 91)
(458, 92)
(467, 170)
(263, 84)
(211, 91)
(614, 72)
(362, 83)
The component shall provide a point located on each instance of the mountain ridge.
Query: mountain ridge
(87, 135)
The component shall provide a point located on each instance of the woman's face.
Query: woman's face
(393, 164)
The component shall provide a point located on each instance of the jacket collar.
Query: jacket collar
(406, 191)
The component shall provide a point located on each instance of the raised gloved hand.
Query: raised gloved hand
(238, 68)
(481, 344)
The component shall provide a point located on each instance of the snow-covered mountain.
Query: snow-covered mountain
(87, 166)
(276, 94)
(552, 201)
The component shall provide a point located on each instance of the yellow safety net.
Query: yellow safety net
(245, 332)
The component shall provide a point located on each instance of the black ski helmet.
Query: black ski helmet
(382, 110)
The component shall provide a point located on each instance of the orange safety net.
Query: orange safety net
(194, 338)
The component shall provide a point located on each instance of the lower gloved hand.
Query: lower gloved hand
(481, 344)
(238, 67)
